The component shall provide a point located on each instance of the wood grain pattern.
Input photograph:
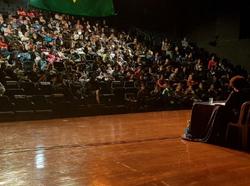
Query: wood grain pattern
(142, 149)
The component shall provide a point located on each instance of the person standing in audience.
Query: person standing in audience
(94, 89)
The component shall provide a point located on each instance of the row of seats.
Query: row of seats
(23, 107)
(107, 89)
(25, 99)
(29, 88)
(26, 107)
(28, 103)
(9, 84)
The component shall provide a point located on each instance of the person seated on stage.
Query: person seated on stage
(239, 95)
(222, 115)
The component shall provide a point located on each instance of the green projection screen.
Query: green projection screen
(92, 8)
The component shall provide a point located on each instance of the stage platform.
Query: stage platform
(143, 149)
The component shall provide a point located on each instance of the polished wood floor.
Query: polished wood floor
(142, 149)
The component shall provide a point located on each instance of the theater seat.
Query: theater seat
(117, 84)
(41, 103)
(106, 94)
(129, 84)
(12, 92)
(131, 90)
(29, 88)
(119, 92)
(23, 107)
(242, 125)
(131, 101)
(119, 96)
(6, 109)
(45, 88)
(60, 105)
(11, 85)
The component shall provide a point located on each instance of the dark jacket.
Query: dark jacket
(234, 102)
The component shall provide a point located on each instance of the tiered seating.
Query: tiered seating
(57, 77)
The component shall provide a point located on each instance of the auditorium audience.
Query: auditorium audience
(64, 50)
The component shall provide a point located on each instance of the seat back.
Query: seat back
(58, 98)
(22, 103)
(116, 84)
(129, 84)
(244, 118)
(5, 103)
(105, 87)
(40, 102)
(29, 88)
(12, 85)
(45, 88)
(12, 92)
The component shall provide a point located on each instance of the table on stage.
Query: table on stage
(201, 113)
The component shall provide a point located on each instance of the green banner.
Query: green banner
(91, 8)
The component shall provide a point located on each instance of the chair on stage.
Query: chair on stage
(242, 125)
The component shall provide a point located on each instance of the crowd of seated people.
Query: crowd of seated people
(84, 59)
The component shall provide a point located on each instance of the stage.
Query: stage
(143, 149)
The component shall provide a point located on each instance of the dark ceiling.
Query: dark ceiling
(163, 14)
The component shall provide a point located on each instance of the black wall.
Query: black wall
(245, 20)
(177, 17)
(164, 15)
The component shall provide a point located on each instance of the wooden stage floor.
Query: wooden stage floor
(142, 149)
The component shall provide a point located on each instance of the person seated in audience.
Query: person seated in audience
(179, 94)
(184, 43)
(222, 115)
(161, 83)
(142, 95)
(3, 44)
(198, 65)
(212, 92)
(212, 64)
